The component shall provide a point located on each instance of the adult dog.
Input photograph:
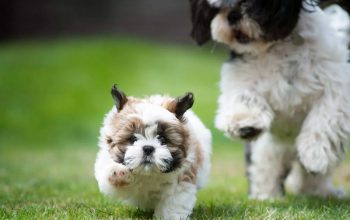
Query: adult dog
(285, 90)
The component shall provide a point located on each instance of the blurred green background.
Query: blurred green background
(54, 92)
(58, 91)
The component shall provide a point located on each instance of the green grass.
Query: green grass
(53, 97)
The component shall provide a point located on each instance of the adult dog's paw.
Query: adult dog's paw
(247, 126)
(315, 154)
(119, 175)
(244, 116)
(249, 133)
(315, 161)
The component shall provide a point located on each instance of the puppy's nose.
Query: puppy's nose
(148, 150)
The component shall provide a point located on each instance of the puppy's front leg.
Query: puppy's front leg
(243, 114)
(324, 135)
(111, 176)
(178, 203)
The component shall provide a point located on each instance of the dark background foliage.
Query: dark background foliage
(158, 19)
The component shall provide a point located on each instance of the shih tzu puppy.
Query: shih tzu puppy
(285, 90)
(154, 154)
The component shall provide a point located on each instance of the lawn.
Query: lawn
(53, 97)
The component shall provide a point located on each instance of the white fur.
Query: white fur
(149, 188)
(216, 3)
(299, 96)
(339, 20)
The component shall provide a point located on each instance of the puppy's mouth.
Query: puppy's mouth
(149, 163)
(147, 160)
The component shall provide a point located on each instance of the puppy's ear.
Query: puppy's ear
(201, 14)
(119, 97)
(181, 104)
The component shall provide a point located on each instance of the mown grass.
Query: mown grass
(53, 97)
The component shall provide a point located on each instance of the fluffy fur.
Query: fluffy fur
(340, 22)
(286, 94)
(154, 154)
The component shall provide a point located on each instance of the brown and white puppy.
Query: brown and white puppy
(154, 154)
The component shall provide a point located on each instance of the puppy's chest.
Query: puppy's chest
(148, 190)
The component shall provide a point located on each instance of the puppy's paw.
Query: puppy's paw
(119, 175)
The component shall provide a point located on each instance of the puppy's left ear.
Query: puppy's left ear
(181, 104)
(119, 97)
(201, 14)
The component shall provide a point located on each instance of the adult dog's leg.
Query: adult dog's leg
(302, 182)
(322, 141)
(267, 167)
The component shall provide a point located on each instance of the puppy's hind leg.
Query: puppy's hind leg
(267, 168)
(302, 182)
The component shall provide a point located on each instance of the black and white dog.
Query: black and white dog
(286, 90)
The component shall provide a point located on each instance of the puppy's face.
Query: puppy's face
(148, 137)
(244, 25)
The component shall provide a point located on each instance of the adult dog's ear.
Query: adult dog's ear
(201, 14)
(181, 104)
(119, 97)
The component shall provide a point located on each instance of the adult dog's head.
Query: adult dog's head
(245, 25)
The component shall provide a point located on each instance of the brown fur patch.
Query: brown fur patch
(176, 136)
(180, 105)
(190, 175)
(170, 105)
(123, 128)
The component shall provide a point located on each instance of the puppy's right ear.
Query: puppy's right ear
(201, 14)
(119, 97)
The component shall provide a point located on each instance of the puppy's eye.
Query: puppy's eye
(234, 16)
(162, 140)
(132, 139)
